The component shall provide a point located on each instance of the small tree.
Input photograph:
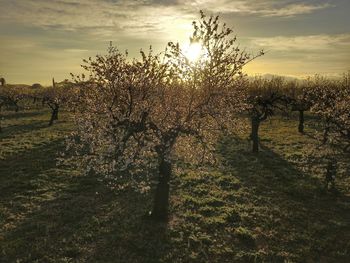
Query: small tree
(2, 82)
(36, 86)
(265, 97)
(297, 92)
(55, 96)
(138, 114)
(3, 101)
(330, 102)
(14, 94)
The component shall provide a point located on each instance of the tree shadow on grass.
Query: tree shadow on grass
(13, 130)
(53, 215)
(25, 171)
(21, 114)
(306, 221)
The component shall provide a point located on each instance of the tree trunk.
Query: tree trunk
(16, 107)
(52, 119)
(325, 134)
(54, 116)
(255, 134)
(56, 113)
(0, 118)
(161, 199)
(301, 121)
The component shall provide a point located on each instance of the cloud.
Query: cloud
(294, 9)
(302, 55)
(266, 8)
(140, 15)
(75, 50)
(40, 36)
(309, 43)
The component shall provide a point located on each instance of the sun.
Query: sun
(194, 51)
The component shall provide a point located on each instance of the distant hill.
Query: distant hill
(270, 76)
(18, 85)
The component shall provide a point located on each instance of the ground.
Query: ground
(270, 207)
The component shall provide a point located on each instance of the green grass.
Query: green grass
(269, 207)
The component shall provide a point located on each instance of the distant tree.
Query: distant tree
(3, 101)
(330, 101)
(54, 97)
(36, 86)
(10, 95)
(135, 116)
(297, 92)
(2, 82)
(14, 94)
(265, 97)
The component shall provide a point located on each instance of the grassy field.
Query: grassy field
(269, 207)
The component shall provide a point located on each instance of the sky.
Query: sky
(41, 39)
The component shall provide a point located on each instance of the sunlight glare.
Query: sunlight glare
(194, 51)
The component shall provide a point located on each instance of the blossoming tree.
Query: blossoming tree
(135, 117)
